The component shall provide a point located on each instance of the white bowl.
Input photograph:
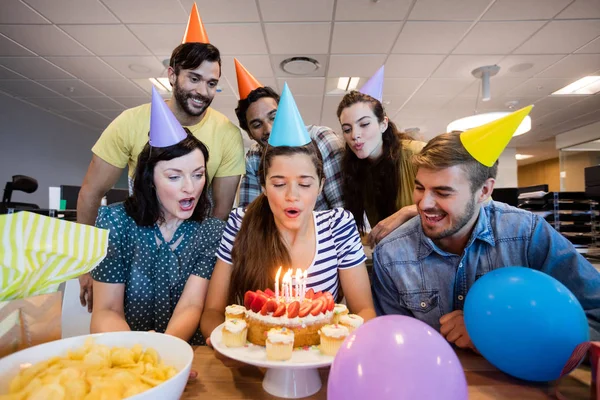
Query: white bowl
(172, 351)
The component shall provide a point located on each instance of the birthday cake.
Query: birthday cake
(304, 316)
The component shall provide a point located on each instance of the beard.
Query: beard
(462, 220)
(264, 141)
(182, 97)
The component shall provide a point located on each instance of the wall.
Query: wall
(42, 145)
(507, 169)
(545, 172)
(576, 136)
(572, 165)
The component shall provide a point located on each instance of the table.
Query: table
(217, 381)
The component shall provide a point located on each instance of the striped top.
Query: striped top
(338, 246)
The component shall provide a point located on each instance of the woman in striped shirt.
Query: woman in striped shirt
(281, 228)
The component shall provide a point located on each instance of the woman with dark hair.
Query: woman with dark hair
(281, 228)
(378, 175)
(161, 250)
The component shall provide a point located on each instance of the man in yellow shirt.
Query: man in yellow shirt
(194, 72)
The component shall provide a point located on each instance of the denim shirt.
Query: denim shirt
(412, 276)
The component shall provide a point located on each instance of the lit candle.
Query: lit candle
(289, 282)
(286, 283)
(277, 284)
(304, 284)
(298, 284)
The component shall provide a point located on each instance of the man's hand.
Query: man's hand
(454, 330)
(386, 226)
(86, 291)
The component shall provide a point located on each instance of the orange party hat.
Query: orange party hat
(195, 32)
(246, 82)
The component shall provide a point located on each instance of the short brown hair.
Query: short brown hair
(191, 55)
(445, 151)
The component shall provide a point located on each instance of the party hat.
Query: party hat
(165, 130)
(195, 32)
(486, 142)
(374, 86)
(246, 82)
(288, 127)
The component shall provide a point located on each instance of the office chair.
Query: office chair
(21, 183)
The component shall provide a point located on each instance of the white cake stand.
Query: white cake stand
(292, 379)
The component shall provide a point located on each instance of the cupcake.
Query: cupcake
(234, 332)
(332, 337)
(280, 343)
(351, 321)
(235, 312)
(338, 311)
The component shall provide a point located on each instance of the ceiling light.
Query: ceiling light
(162, 84)
(473, 121)
(300, 65)
(586, 85)
(346, 83)
(523, 156)
(142, 69)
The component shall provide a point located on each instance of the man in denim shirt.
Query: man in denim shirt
(425, 268)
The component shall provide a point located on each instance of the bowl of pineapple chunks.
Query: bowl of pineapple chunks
(107, 366)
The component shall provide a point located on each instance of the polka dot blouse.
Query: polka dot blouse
(154, 274)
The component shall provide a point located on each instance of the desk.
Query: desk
(485, 382)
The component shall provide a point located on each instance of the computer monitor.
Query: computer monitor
(70, 194)
(116, 195)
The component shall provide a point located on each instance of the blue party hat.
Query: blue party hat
(374, 86)
(165, 130)
(288, 127)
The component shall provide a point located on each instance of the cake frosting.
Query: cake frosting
(280, 335)
(235, 309)
(352, 320)
(284, 320)
(235, 325)
(335, 331)
(340, 309)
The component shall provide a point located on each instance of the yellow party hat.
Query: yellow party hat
(486, 142)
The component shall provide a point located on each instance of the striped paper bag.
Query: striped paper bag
(37, 253)
(29, 322)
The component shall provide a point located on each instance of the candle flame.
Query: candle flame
(287, 277)
(277, 276)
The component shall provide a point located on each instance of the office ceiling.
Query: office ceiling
(88, 60)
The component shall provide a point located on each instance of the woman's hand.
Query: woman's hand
(86, 291)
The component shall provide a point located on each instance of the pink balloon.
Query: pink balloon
(396, 357)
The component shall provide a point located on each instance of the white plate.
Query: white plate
(257, 355)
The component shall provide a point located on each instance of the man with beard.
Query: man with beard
(425, 268)
(256, 112)
(194, 72)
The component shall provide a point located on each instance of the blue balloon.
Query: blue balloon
(524, 322)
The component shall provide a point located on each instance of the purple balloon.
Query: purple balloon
(396, 357)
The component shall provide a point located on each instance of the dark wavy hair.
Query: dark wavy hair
(143, 205)
(253, 96)
(191, 55)
(382, 176)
